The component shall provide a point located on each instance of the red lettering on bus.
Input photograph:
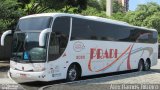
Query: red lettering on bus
(103, 54)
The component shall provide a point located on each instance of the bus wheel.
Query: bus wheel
(147, 65)
(141, 65)
(72, 73)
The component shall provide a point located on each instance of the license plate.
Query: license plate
(23, 75)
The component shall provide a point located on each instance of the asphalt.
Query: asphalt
(4, 67)
(6, 83)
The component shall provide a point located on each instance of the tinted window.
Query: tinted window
(59, 37)
(155, 37)
(82, 30)
(144, 36)
(35, 23)
(92, 30)
(61, 25)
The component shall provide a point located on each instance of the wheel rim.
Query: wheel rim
(147, 65)
(72, 74)
(141, 67)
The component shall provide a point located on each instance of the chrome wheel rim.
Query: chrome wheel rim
(72, 74)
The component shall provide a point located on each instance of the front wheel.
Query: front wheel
(72, 73)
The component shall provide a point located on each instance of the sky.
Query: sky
(133, 3)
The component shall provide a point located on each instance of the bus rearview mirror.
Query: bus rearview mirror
(4, 35)
(42, 36)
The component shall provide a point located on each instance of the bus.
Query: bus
(54, 46)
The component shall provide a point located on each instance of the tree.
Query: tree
(153, 21)
(93, 9)
(9, 14)
(146, 15)
(117, 7)
(31, 7)
(94, 4)
(39, 6)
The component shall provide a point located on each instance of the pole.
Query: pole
(109, 8)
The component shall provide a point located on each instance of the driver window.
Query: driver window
(54, 47)
(59, 38)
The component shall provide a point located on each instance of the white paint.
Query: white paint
(42, 36)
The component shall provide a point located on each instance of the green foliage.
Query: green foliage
(40, 6)
(5, 24)
(116, 6)
(147, 15)
(103, 4)
(153, 21)
(94, 4)
(118, 16)
(65, 5)
(9, 14)
(90, 11)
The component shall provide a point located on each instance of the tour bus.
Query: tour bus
(54, 46)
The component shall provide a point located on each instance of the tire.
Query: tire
(72, 73)
(141, 66)
(147, 66)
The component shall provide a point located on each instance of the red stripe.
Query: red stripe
(128, 60)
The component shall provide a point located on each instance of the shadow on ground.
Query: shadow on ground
(4, 66)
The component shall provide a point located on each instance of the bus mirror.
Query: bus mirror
(4, 35)
(42, 36)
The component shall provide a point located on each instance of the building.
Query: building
(125, 4)
(109, 7)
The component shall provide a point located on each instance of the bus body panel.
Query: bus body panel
(105, 59)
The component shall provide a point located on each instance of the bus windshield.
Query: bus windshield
(26, 48)
(34, 23)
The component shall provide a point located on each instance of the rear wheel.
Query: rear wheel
(72, 73)
(147, 65)
(141, 65)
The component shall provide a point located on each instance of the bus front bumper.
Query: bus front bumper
(22, 77)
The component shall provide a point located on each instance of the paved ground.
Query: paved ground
(5, 82)
(102, 82)
(4, 66)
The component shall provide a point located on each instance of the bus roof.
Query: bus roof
(94, 18)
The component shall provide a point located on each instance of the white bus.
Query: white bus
(53, 46)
